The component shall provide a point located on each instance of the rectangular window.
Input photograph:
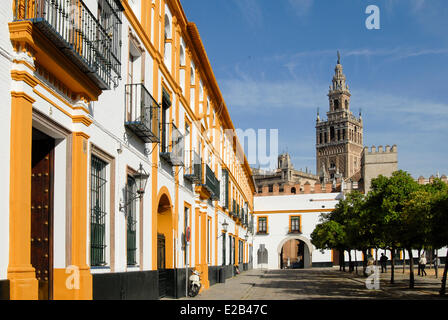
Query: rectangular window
(208, 239)
(98, 214)
(262, 225)
(131, 214)
(186, 213)
(240, 251)
(230, 249)
(295, 224)
(223, 249)
(109, 17)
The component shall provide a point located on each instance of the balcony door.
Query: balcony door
(134, 76)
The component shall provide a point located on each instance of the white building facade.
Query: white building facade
(130, 94)
(279, 219)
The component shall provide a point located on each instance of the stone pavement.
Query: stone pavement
(317, 283)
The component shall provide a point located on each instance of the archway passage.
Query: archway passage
(295, 252)
(164, 241)
(292, 254)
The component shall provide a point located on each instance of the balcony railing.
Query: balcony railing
(225, 181)
(142, 113)
(212, 183)
(193, 167)
(233, 211)
(74, 30)
(172, 149)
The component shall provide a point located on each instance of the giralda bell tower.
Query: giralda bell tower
(339, 139)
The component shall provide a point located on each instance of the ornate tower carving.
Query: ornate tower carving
(339, 139)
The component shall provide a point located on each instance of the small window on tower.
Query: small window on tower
(346, 104)
(336, 104)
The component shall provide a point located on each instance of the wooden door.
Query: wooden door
(161, 265)
(42, 212)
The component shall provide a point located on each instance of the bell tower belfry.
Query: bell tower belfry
(339, 139)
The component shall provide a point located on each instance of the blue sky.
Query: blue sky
(274, 61)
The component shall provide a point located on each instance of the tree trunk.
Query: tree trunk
(350, 264)
(364, 262)
(356, 263)
(445, 271)
(411, 270)
(376, 256)
(340, 260)
(404, 260)
(343, 259)
(419, 255)
(392, 266)
(436, 264)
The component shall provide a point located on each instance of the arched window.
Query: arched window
(336, 104)
(167, 44)
(293, 190)
(346, 104)
(182, 56)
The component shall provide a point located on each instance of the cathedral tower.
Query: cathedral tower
(339, 139)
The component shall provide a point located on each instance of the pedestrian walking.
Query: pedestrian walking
(422, 263)
(383, 262)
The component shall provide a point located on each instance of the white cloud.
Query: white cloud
(301, 7)
(252, 95)
(251, 11)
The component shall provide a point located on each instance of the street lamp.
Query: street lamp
(141, 179)
(225, 225)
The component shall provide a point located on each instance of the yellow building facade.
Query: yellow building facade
(119, 145)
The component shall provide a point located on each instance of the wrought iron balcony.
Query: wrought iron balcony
(212, 183)
(142, 113)
(78, 34)
(193, 167)
(225, 181)
(233, 211)
(172, 145)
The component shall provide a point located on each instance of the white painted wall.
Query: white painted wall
(278, 223)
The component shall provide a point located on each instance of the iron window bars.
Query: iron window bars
(93, 45)
(142, 113)
(193, 167)
(225, 181)
(131, 216)
(98, 213)
(295, 225)
(212, 183)
(172, 150)
(262, 225)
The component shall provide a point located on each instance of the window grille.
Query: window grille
(262, 225)
(98, 214)
(131, 214)
(295, 224)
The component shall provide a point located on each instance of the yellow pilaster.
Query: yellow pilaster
(23, 282)
(79, 215)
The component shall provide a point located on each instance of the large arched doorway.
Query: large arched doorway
(295, 252)
(164, 240)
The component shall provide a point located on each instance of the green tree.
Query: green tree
(417, 220)
(384, 206)
(328, 235)
(439, 229)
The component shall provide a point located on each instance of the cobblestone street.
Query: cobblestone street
(317, 283)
